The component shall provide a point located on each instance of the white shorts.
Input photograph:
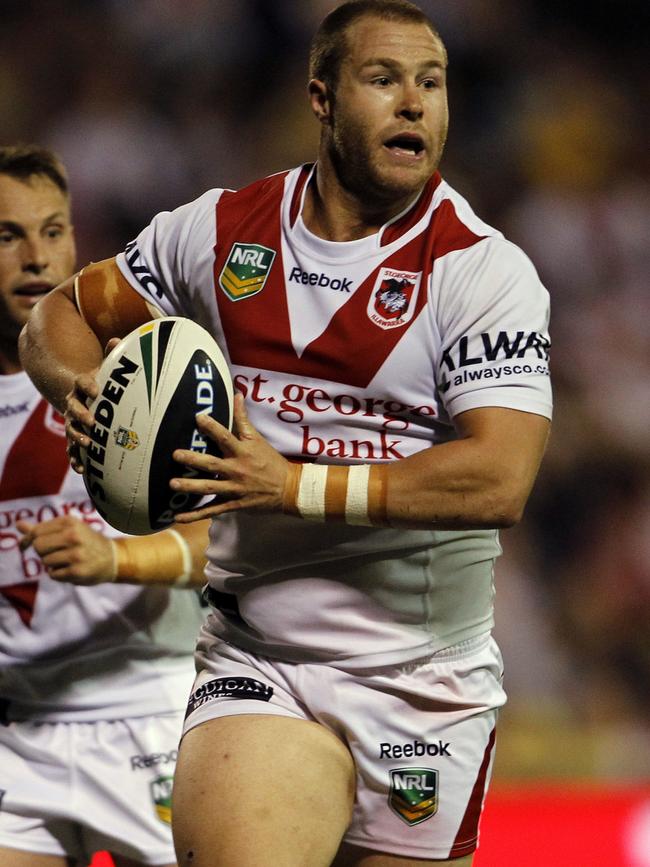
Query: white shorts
(421, 734)
(74, 788)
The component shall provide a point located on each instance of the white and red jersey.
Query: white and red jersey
(67, 652)
(351, 352)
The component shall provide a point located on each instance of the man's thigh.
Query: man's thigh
(255, 784)
(16, 858)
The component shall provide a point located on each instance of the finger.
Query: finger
(78, 414)
(241, 423)
(33, 533)
(72, 573)
(205, 487)
(85, 386)
(213, 510)
(51, 543)
(110, 346)
(27, 530)
(77, 441)
(227, 442)
(49, 526)
(77, 465)
(206, 463)
(60, 558)
(77, 435)
(74, 456)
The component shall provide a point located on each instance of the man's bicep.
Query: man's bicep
(107, 301)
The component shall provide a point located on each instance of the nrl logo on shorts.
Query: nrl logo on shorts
(413, 794)
(161, 792)
(392, 300)
(246, 270)
(127, 439)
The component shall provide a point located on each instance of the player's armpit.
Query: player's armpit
(108, 303)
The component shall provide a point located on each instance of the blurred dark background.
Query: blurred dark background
(150, 102)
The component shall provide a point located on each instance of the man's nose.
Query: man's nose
(411, 102)
(35, 257)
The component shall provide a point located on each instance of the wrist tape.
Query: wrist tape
(151, 559)
(356, 495)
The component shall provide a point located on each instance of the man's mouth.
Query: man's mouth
(407, 145)
(32, 292)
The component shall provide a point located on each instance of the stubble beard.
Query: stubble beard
(352, 159)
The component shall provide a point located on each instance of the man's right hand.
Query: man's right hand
(70, 550)
(78, 418)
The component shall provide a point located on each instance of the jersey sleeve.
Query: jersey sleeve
(168, 259)
(493, 318)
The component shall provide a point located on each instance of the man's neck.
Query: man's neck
(336, 214)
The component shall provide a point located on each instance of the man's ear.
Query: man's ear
(320, 100)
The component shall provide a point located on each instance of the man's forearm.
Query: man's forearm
(479, 481)
(56, 345)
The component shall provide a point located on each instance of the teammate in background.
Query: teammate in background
(93, 680)
(390, 351)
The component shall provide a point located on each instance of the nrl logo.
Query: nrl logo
(161, 792)
(127, 439)
(246, 270)
(413, 794)
(392, 301)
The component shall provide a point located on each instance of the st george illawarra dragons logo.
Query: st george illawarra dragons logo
(392, 301)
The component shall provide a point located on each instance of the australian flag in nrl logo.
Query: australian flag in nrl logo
(392, 301)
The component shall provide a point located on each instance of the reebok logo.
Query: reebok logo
(312, 278)
(152, 760)
(6, 411)
(415, 748)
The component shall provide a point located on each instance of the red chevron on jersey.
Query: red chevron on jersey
(363, 331)
(23, 599)
(37, 462)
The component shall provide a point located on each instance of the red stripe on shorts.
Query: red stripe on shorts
(467, 836)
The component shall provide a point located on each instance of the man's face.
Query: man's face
(37, 250)
(389, 117)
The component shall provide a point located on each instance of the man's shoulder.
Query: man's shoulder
(487, 242)
(261, 191)
(454, 203)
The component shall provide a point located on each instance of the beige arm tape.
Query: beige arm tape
(108, 302)
(164, 558)
(357, 495)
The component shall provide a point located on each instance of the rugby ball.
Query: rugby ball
(151, 387)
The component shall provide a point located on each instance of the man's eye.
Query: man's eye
(382, 81)
(6, 237)
(54, 232)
